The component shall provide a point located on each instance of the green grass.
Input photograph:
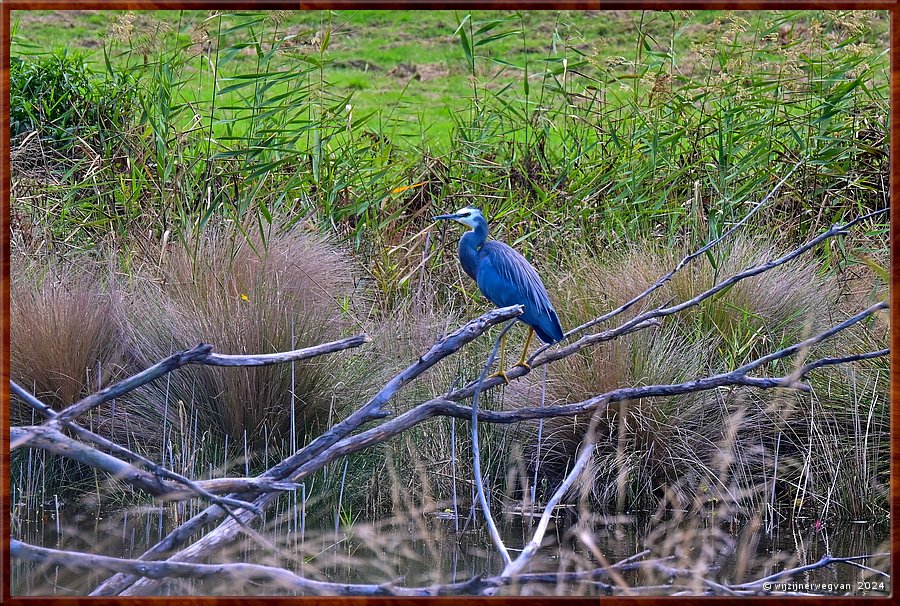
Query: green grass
(535, 40)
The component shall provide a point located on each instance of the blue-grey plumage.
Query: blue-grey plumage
(505, 277)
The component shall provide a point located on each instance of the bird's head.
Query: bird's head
(468, 216)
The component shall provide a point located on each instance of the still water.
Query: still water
(427, 548)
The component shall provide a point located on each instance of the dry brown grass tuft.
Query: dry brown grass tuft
(245, 297)
(67, 342)
(64, 340)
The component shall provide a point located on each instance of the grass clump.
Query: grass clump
(244, 297)
(66, 344)
(78, 330)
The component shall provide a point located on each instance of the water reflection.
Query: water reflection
(423, 549)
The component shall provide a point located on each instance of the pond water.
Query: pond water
(425, 548)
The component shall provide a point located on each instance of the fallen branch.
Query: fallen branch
(825, 560)
(443, 406)
(687, 259)
(289, 580)
(52, 440)
(164, 570)
(201, 354)
(195, 488)
(666, 310)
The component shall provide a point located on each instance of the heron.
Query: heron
(505, 278)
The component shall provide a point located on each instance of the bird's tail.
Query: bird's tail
(550, 330)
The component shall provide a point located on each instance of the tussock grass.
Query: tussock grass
(82, 328)
(249, 296)
(65, 342)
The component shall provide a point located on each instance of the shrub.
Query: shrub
(62, 98)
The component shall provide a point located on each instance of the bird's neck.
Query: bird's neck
(478, 234)
(469, 245)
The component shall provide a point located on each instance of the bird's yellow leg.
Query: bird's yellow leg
(522, 361)
(500, 372)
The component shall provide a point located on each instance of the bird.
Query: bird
(505, 278)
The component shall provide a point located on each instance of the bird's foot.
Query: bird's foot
(499, 373)
(523, 364)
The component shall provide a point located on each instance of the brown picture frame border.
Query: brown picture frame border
(7, 6)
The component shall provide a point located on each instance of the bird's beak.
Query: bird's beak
(452, 216)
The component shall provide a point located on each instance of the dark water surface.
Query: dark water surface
(425, 549)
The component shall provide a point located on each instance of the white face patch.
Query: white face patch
(473, 215)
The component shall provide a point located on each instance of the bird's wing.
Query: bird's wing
(507, 278)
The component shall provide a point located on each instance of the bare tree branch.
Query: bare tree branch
(805, 370)
(201, 354)
(787, 351)
(687, 259)
(163, 570)
(53, 440)
(297, 355)
(240, 485)
(825, 560)
(120, 451)
(835, 230)
(476, 451)
(531, 548)
(444, 406)
(159, 369)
